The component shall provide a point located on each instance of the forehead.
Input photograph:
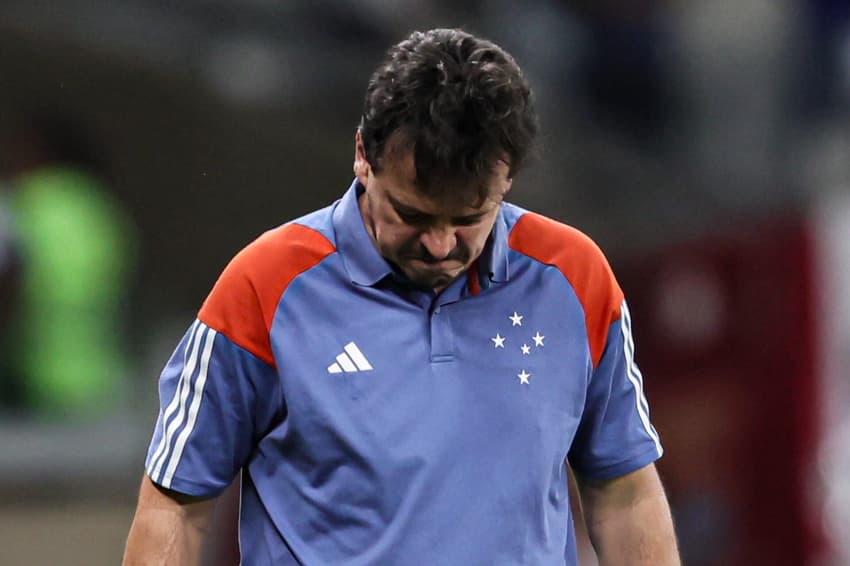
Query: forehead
(398, 182)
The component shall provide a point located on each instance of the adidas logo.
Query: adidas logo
(351, 360)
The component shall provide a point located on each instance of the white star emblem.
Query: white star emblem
(523, 377)
(526, 349)
(499, 341)
(538, 339)
(516, 319)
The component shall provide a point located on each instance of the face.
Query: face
(431, 242)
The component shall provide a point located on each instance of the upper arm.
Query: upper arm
(220, 392)
(615, 435)
(216, 401)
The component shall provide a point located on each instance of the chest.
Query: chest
(394, 371)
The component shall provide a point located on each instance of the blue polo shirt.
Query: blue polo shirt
(377, 423)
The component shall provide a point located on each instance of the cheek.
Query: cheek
(473, 238)
(392, 235)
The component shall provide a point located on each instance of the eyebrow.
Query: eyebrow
(411, 211)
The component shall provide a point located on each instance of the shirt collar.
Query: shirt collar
(493, 263)
(364, 264)
(367, 267)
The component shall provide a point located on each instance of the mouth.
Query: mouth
(440, 265)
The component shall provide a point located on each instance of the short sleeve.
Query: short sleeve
(216, 401)
(220, 392)
(615, 435)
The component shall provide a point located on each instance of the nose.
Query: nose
(439, 241)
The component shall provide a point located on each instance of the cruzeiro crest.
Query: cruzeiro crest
(518, 340)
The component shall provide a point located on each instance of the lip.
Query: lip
(443, 265)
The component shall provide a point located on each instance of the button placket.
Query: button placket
(442, 335)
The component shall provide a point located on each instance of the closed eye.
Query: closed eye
(467, 220)
(416, 217)
(413, 217)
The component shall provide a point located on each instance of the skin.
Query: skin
(628, 519)
(431, 242)
(168, 528)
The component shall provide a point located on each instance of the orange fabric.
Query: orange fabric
(244, 299)
(582, 263)
(472, 279)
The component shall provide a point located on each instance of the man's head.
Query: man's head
(447, 122)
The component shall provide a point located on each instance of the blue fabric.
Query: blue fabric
(447, 446)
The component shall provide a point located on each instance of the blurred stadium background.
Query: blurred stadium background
(703, 143)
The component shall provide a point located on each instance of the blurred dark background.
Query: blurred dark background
(703, 144)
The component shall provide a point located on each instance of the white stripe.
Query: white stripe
(180, 393)
(629, 348)
(239, 514)
(358, 357)
(175, 400)
(197, 395)
(179, 401)
(636, 377)
(334, 368)
(345, 362)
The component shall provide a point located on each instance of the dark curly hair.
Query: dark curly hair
(459, 101)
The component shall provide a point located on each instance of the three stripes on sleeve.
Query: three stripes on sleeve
(177, 420)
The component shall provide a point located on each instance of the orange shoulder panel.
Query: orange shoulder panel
(582, 263)
(243, 301)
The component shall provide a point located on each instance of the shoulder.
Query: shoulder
(277, 256)
(580, 261)
(551, 242)
(243, 301)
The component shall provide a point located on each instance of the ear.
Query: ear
(362, 170)
(501, 177)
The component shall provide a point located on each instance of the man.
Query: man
(403, 376)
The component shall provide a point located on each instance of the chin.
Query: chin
(433, 280)
(432, 275)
